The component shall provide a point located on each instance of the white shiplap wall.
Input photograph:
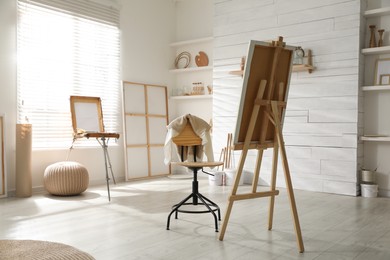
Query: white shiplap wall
(321, 124)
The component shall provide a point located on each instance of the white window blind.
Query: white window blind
(64, 48)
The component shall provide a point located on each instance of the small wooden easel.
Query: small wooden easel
(259, 124)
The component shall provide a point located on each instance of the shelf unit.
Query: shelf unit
(376, 13)
(193, 46)
(199, 105)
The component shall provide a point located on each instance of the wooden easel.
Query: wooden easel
(259, 125)
(87, 121)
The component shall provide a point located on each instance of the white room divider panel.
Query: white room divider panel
(145, 120)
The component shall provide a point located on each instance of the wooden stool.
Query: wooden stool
(188, 138)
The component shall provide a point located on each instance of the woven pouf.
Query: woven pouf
(66, 178)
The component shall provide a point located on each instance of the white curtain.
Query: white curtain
(64, 48)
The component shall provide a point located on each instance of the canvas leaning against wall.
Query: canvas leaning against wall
(3, 183)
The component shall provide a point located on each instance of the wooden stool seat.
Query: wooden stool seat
(198, 164)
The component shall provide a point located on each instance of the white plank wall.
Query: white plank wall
(322, 118)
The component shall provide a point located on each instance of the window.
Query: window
(66, 48)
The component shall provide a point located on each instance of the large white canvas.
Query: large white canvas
(157, 166)
(145, 121)
(87, 116)
(157, 130)
(159, 106)
(137, 162)
(134, 96)
(136, 131)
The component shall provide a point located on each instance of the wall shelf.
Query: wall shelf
(295, 68)
(303, 67)
(187, 97)
(191, 69)
(376, 50)
(236, 72)
(379, 138)
(376, 88)
(377, 12)
(195, 41)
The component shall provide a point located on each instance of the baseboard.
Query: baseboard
(41, 190)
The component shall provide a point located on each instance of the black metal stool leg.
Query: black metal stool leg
(176, 207)
(195, 195)
(201, 197)
(213, 204)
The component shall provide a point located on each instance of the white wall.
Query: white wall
(147, 29)
(194, 20)
(8, 82)
(321, 124)
(146, 26)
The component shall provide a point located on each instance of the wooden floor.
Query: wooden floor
(133, 224)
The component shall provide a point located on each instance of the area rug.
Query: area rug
(42, 250)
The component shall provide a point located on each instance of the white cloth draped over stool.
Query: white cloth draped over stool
(190, 133)
(200, 127)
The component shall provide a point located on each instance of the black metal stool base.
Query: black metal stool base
(210, 205)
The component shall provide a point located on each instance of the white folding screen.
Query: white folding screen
(145, 121)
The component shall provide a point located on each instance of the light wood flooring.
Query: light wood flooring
(133, 224)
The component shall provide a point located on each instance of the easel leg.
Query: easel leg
(110, 166)
(274, 168)
(244, 153)
(256, 174)
(105, 152)
(273, 186)
(234, 191)
(287, 176)
(226, 219)
(292, 197)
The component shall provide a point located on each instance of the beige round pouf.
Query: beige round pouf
(66, 178)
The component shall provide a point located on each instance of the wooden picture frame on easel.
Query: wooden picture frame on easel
(259, 124)
(258, 67)
(87, 114)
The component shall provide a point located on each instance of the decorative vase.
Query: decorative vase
(23, 150)
(372, 38)
(380, 42)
